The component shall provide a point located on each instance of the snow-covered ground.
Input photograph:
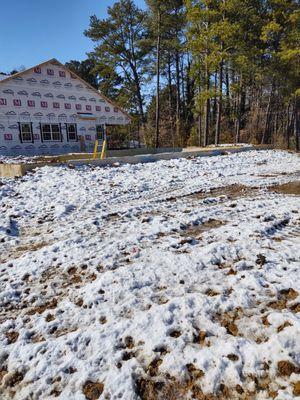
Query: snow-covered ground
(173, 280)
(16, 159)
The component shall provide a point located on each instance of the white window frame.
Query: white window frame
(26, 136)
(51, 132)
(75, 139)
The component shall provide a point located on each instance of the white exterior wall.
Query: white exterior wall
(42, 87)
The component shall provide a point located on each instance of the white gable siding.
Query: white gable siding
(45, 95)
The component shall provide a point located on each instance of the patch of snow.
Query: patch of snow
(192, 262)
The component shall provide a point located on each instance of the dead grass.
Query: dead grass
(196, 230)
(92, 390)
(287, 188)
(286, 368)
(19, 251)
(231, 192)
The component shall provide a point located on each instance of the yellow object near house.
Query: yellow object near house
(103, 150)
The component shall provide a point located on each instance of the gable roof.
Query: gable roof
(55, 61)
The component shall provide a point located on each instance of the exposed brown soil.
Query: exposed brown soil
(296, 390)
(295, 308)
(284, 296)
(287, 188)
(175, 333)
(47, 306)
(154, 366)
(19, 251)
(286, 324)
(196, 230)
(200, 337)
(288, 294)
(92, 390)
(228, 320)
(232, 192)
(169, 388)
(286, 368)
(233, 357)
(194, 372)
(12, 336)
(13, 379)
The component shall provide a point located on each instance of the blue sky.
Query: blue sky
(33, 31)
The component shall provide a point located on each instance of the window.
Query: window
(78, 107)
(37, 70)
(62, 74)
(25, 132)
(51, 132)
(31, 103)
(44, 104)
(100, 132)
(56, 105)
(3, 102)
(50, 72)
(71, 131)
(88, 108)
(17, 103)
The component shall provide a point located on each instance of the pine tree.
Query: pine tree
(120, 49)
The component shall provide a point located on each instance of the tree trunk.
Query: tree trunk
(177, 94)
(238, 116)
(297, 124)
(214, 107)
(199, 129)
(227, 93)
(219, 106)
(207, 111)
(157, 112)
(265, 137)
(170, 101)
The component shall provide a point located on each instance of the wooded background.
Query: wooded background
(200, 72)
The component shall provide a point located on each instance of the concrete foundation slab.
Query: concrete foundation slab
(20, 169)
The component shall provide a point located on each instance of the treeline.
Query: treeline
(201, 72)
